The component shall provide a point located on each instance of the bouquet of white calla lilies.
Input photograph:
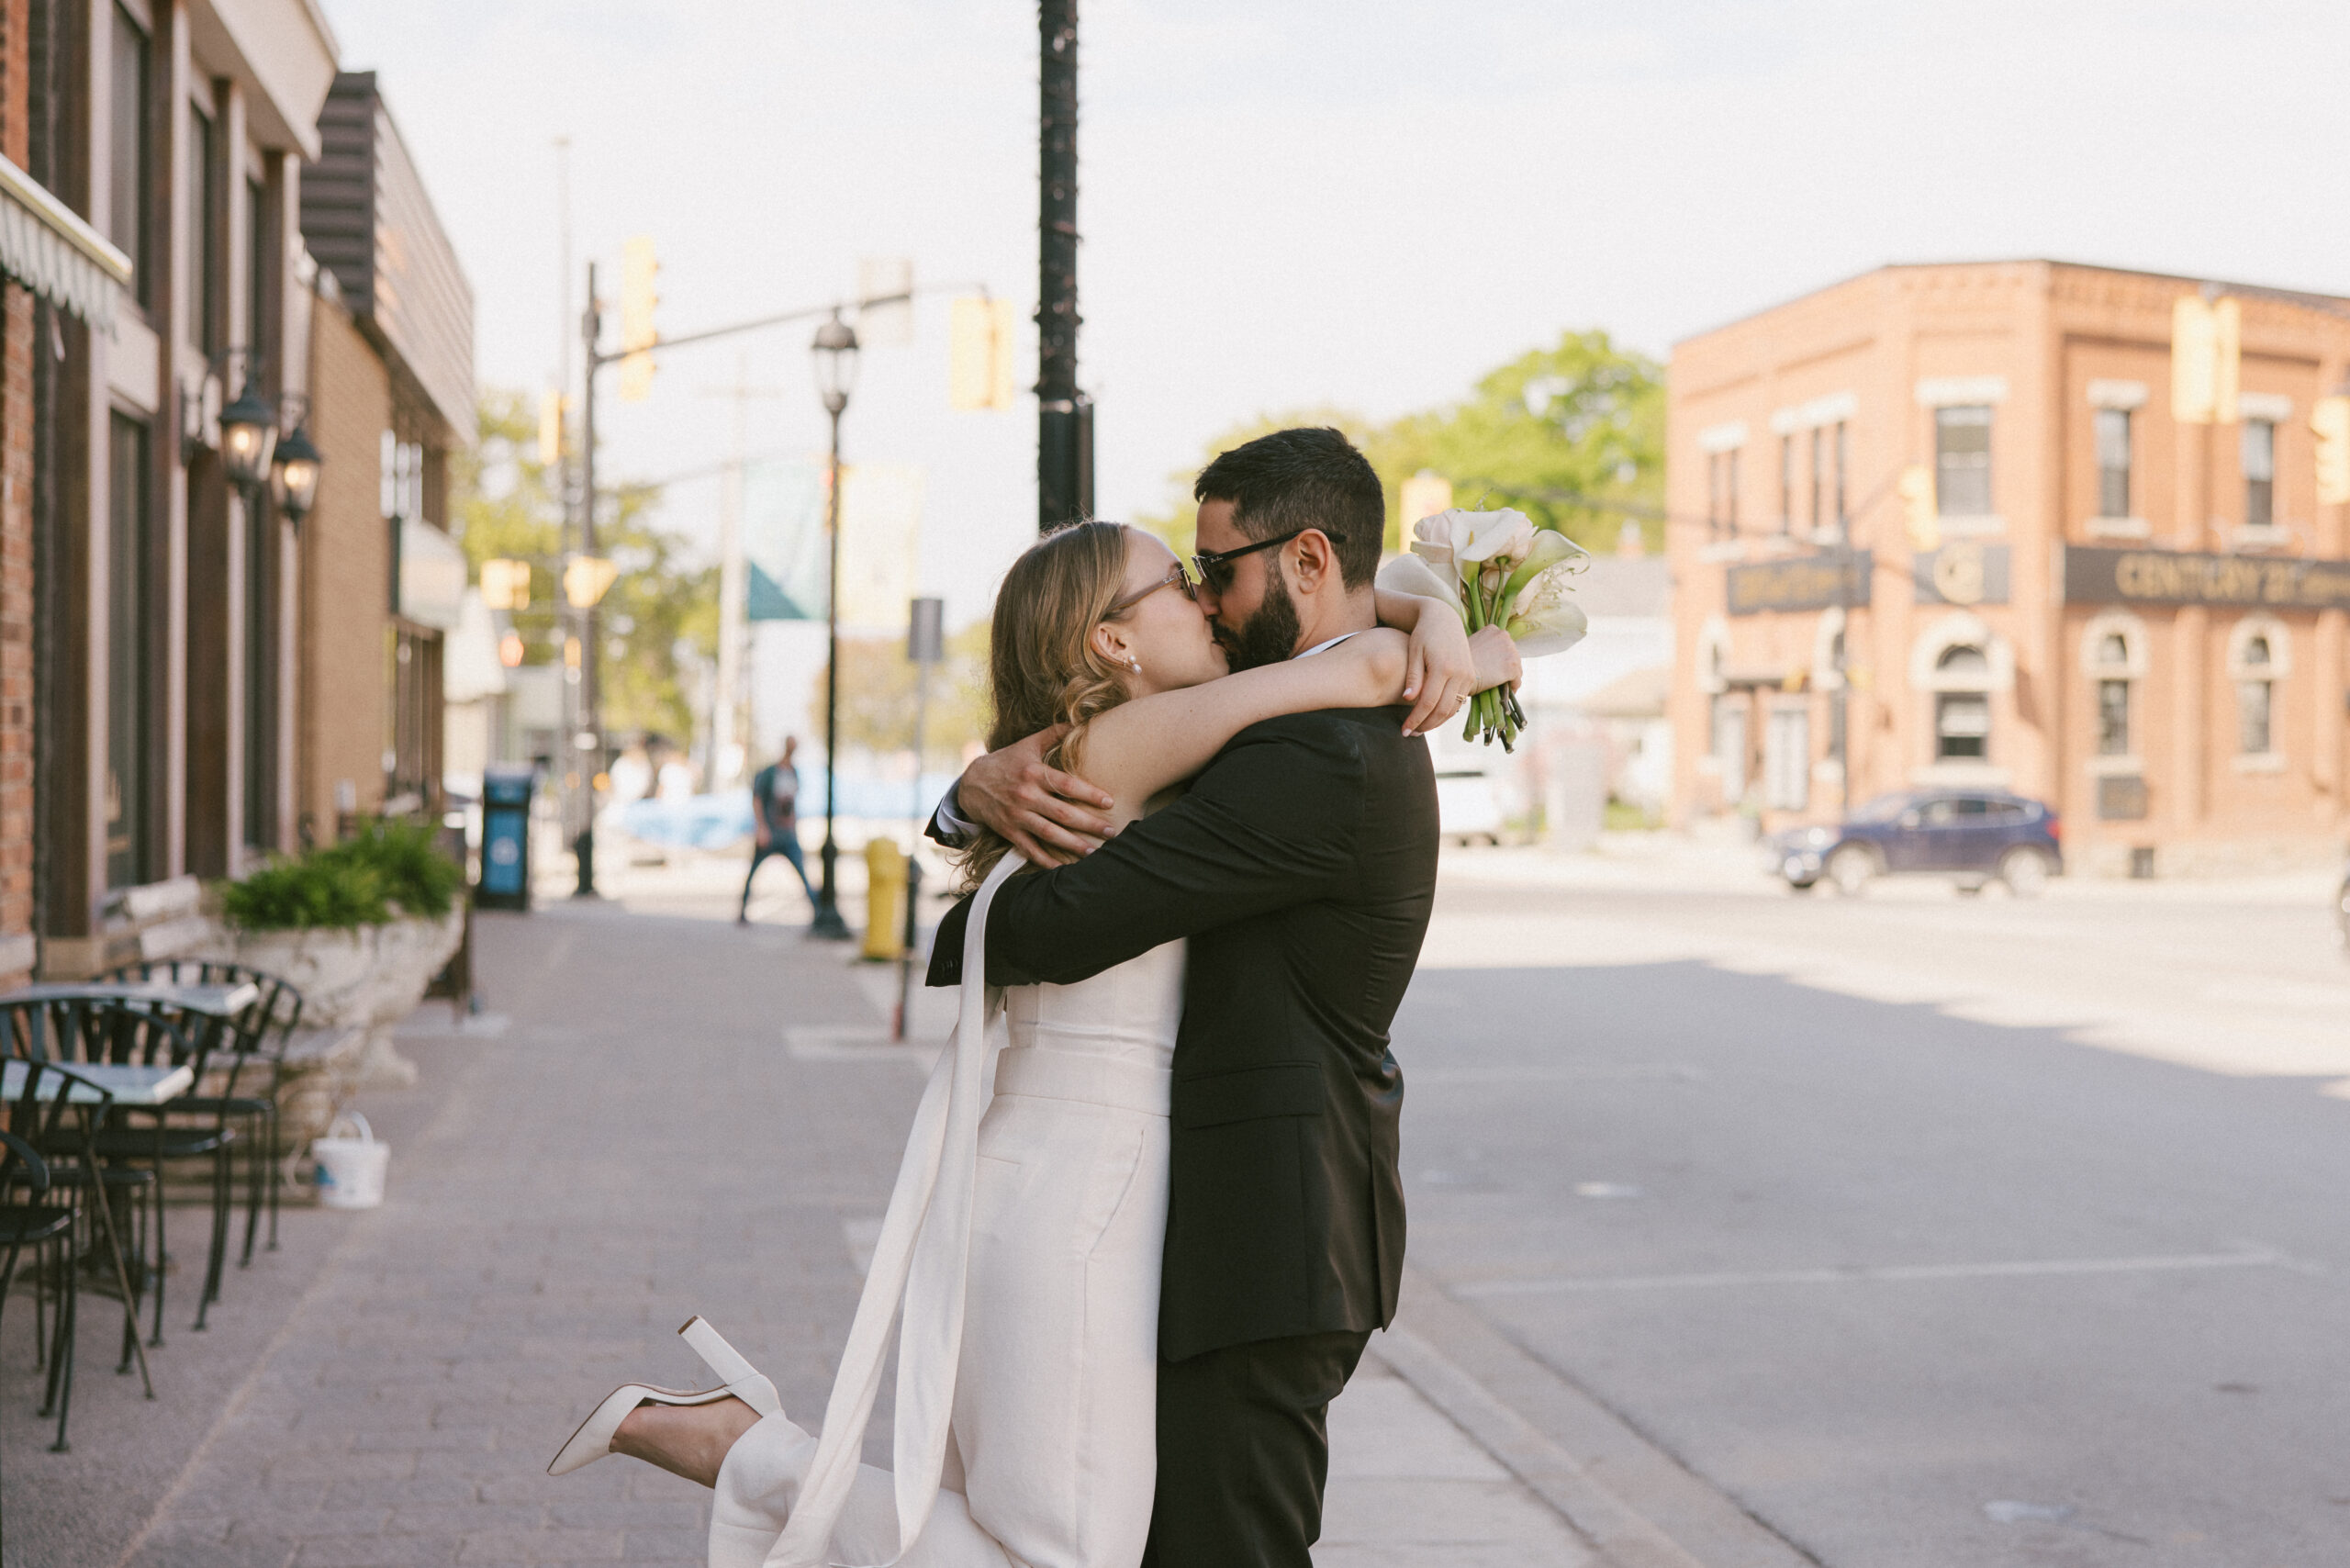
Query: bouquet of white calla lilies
(1495, 568)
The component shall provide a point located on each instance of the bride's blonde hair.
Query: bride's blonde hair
(1043, 668)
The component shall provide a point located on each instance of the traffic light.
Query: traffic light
(2206, 352)
(1917, 513)
(506, 584)
(586, 581)
(639, 272)
(551, 404)
(980, 352)
(2330, 420)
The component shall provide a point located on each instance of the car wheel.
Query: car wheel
(1802, 886)
(1850, 869)
(2025, 872)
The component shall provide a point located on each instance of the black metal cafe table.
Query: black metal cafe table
(210, 1001)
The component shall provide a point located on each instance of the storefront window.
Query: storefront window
(128, 190)
(1729, 744)
(130, 650)
(1787, 760)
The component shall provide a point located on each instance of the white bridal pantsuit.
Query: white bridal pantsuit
(1023, 1242)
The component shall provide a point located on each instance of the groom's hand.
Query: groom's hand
(1042, 813)
(1496, 659)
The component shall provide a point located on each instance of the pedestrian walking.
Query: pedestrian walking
(774, 823)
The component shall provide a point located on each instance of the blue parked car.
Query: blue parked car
(1972, 835)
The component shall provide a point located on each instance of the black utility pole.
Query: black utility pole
(1063, 415)
(591, 738)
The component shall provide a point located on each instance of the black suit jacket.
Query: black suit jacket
(1302, 865)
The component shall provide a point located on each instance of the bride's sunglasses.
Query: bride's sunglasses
(1176, 578)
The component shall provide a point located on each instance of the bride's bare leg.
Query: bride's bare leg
(690, 1440)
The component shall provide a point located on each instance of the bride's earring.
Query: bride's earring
(1134, 665)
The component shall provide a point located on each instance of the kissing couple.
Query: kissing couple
(1149, 1211)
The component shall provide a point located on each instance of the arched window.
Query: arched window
(1962, 662)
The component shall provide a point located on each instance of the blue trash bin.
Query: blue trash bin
(506, 790)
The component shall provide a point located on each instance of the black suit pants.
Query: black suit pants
(1244, 1451)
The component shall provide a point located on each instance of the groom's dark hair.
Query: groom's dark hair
(1304, 478)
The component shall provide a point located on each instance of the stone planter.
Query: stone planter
(355, 986)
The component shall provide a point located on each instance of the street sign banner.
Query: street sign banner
(783, 540)
(1803, 582)
(2098, 575)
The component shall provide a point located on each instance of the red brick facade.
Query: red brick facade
(15, 545)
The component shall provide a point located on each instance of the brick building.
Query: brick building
(161, 601)
(2060, 529)
(56, 267)
(392, 366)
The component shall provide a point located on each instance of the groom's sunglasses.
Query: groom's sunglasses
(1215, 566)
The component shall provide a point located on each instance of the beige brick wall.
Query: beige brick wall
(346, 569)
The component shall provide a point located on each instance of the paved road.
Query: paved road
(1747, 1231)
(1911, 1286)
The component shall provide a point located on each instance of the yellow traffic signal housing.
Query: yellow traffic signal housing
(588, 579)
(2330, 420)
(2206, 356)
(979, 354)
(506, 584)
(551, 410)
(1919, 515)
(639, 272)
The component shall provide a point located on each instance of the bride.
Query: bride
(1027, 1223)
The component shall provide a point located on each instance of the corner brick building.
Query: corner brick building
(2066, 529)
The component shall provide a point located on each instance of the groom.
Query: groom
(1302, 865)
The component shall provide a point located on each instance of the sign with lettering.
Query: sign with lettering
(1802, 582)
(2097, 576)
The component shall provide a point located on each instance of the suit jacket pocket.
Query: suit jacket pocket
(1285, 1088)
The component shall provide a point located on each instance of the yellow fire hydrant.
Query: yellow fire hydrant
(885, 900)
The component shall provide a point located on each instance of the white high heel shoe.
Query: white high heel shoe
(744, 1382)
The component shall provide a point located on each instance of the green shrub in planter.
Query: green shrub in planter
(313, 891)
(404, 856)
(389, 870)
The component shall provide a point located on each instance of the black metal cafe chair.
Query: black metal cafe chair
(158, 1034)
(55, 1108)
(136, 1144)
(38, 1222)
(49, 1033)
(255, 1042)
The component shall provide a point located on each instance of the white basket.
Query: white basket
(350, 1171)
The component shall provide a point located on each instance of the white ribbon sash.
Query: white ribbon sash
(922, 1260)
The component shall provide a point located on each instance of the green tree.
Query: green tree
(1585, 418)
(657, 617)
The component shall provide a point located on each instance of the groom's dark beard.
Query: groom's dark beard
(1268, 636)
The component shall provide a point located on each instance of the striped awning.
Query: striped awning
(50, 250)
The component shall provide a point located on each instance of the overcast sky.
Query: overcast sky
(1352, 203)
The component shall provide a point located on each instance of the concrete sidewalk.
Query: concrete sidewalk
(680, 1116)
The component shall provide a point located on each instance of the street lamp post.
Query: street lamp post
(835, 353)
